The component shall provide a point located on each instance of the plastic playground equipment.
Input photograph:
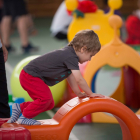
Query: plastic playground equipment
(60, 126)
(116, 54)
(97, 21)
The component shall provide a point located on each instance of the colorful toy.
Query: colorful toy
(96, 20)
(57, 90)
(60, 126)
(116, 54)
(133, 30)
(81, 7)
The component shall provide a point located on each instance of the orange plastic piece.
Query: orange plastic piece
(60, 126)
(116, 54)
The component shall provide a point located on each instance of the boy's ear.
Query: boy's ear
(83, 49)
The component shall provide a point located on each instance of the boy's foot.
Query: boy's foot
(10, 48)
(16, 111)
(26, 121)
(29, 48)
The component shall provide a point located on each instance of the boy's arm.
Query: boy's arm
(73, 84)
(83, 84)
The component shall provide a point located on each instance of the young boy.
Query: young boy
(50, 69)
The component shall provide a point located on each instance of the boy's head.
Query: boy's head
(86, 38)
(85, 42)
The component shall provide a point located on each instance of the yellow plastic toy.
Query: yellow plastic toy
(71, 4)
(97, 21)
(116, 54)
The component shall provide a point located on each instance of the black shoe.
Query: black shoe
(29, 49)
(10, 48)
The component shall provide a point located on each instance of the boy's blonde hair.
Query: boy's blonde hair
(86, 38)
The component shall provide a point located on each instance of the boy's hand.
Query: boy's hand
(82, 95)
(96, 95)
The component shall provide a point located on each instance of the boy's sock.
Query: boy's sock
(26, 121)
(16, 111)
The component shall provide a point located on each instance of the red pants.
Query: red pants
(39, 92)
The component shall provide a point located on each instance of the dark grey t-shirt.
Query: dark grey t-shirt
(54, 66)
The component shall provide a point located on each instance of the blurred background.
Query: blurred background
(41, 26)
(47, 8)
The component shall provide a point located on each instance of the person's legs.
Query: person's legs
(31, 27)
(41, 95)
(5, 29)
(23, 29)
(21, 14)
(4, 107)
(6, 24)
(22, 23)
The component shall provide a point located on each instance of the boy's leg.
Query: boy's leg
(24, 120)
(41, 95)
(16, 111)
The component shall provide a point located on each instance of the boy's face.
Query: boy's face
(85, 56)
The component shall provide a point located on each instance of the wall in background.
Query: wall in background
(47, 8)
(128, 7)
(43, 8)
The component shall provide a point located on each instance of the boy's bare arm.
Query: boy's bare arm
(73, 84)
(83, 84)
